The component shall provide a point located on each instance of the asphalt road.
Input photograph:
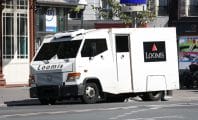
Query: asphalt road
(134, 110)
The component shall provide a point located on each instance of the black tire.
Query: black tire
(91, 93)
(152, 96)
(43, 101)
(52, 101)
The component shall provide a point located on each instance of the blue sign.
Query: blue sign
(133, 1)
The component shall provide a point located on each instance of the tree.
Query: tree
(114, 10)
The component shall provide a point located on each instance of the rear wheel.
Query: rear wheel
(152, 96)
(91, 93)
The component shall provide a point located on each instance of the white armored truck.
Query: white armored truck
(105, 64)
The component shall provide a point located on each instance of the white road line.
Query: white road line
(66, 111)
(161, 117)
(153, 107)
(150, 107)
(129, 113)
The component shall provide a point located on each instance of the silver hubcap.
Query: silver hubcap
(90, 92)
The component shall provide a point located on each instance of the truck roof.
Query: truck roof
(67, 34)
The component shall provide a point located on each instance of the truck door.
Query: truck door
(123, 63)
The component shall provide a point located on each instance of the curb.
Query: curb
(14, 85)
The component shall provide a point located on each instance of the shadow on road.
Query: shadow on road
(34, 102)
(28, 102)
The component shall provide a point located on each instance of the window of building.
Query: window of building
(8, 35)
(193, 8)
(8, 4)
(163, 8)
(15, 29)
(22, 39)
(106, 7)
(93, 47)
(122, 43)
(22, 4)
(188, 8)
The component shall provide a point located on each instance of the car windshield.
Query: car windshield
(60, 50)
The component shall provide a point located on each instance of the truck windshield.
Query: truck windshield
(60, 50)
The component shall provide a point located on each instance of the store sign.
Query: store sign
(133, 8)
(51, 20)
(188, 51)
(133, 1)
(154, 51)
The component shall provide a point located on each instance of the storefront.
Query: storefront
(187, 31)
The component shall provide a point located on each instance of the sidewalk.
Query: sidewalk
(20, 96)
(185, 95)
(15, 95)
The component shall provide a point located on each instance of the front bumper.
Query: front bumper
(56, 91)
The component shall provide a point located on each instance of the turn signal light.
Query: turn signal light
(73, 76)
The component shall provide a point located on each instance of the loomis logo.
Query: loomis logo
(154, 51)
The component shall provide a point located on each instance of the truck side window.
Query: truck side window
(122, 43)
(93, 47)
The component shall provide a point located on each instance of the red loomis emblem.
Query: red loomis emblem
(154, 48)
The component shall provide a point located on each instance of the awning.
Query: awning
(62, 2)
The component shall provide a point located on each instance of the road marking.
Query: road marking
(153, 107)
(161, 117)
(149, 107)
(66, 111)
(129, 113)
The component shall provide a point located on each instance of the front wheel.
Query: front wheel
(91, 93)
(152, 96)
